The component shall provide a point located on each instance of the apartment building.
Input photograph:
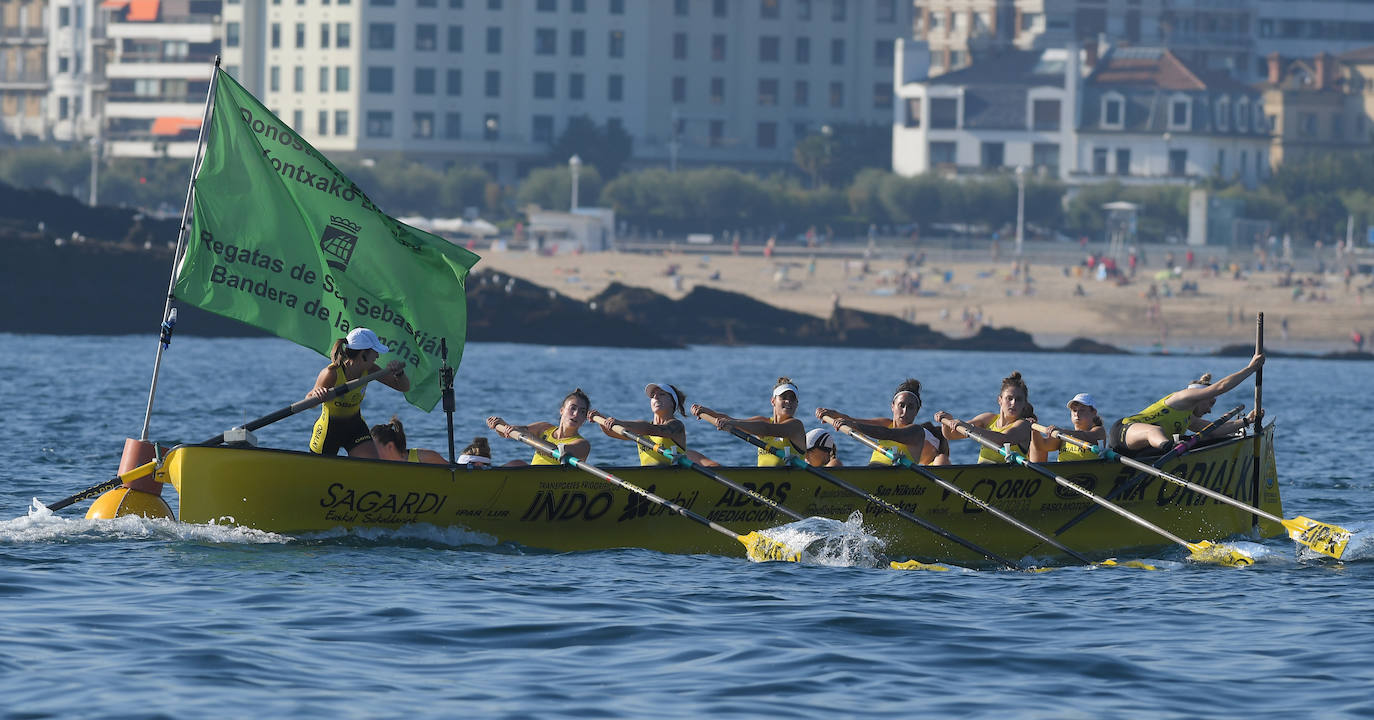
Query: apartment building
(23, 69)
(1320, 105)
(1305, 29)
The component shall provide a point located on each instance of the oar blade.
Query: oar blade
(1218, 554)
(761, 548)
(1329, 540)
(918, 565)
(1137, 564)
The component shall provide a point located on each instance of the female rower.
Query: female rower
(782, 432)
(1087, 426)
(1011, 424)
(900, 433)
(1156, 426)
(666, 431)
(571, 414)
(390, 439)
(820, 449)
(477, 455)
(341, 422)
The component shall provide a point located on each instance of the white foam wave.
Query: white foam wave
(42, 525)
(829, 542)
(419, 532)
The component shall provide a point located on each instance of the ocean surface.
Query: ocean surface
(144, 618)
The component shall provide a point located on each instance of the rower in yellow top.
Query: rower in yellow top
(899, 433)
(390, 439)
(572, 413)
(665, 431)
(782, 431)
(1156, 426)
(341, 421)
(1087, 426)
(1011, 424)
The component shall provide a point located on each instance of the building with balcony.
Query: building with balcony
(1297, 30)
(23, 69)
(1319, 105)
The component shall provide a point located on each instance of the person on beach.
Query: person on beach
(820, 449)
(1087, 426)
(666, 431)
(781, 432)
(1155, 427)
(900, 433)
(341, 421)
(1011, 424)
(572, 413)
(390, 440)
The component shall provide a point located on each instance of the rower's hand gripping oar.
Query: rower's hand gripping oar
(757, 547)
(885, 505)
(1182, 447)
(906, 462)
(1204, 551)
(1324, 538)
(264, 421)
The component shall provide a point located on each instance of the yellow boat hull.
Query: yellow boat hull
(562, 509)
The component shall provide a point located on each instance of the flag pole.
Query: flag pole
(169, 313)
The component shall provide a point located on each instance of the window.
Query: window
(418, 3)
(941, 153)
(1244, 161)
(991, 154)
(838, 10)
(300, 35)
(341, 80)
(913, 113)
(768, 9)
(883, 51)
(424, 81)
(324, 81)
(453, 125)
(455, 38)
(543, 85)
(577, 86)
(298, 79)
(615, 88)
(1337, 127)
(1123, 161)
(720, 8)
(1046, 155)
(882, 95)
(717, 90)
(343, 36)
(453, 82)
(546, 6)
(340, 122)
(767, 135)
(579, 6)
(944, 113)
(801, 93)
(492, 83)
(381, 36)
(322, 123)
(426, 37)
(491, 127)
(886, 11)
(493, 4)
(64, 64)
(768, 48)
(297, 119)
(803, 10)
(716, 133)
(1178, 163)
(768, 91)
(324, 38)
(493, 41)
(577, 43)
(679, 89)
(1178, 114)
(717, 47)
(231, 34)
(1243, 115)
(542, 128)
(378, 3)
(837, 51)
(617, 7)
(1112, 115)
(379, 123)
(1099, 161)
(1221, 163)
(1307, 125)
(423, 125)
(64, 18)
(803, 50)
(1045, 115)
(836, 94)
(616, 44)
(1223, 113)
(379, 79)
(680, 8)
(276, 35)
(545, 41)
(680, 46)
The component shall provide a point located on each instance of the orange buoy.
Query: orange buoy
(128, 501)
(139, 452)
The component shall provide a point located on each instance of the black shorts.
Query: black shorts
(1116, 438)
(347, 433)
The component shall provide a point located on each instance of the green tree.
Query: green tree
(606, 148)
(551, 188)
(813, 155)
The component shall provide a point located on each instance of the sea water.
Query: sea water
(148, 618)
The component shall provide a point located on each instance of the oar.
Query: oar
(1204, 551)
(906, 462)
(264, 421)
(1259, 420)
(800, 463)
(757, 547)
(1182, 447)
(1322, 537)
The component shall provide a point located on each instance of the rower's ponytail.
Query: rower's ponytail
(339, 353)
(1205, 380)
(783, 381)
(391, 432)
(576, 393)
(1014, 381)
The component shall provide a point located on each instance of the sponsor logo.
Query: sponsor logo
(339, 239)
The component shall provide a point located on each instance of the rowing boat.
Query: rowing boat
(562, 509)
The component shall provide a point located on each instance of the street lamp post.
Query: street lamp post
(575, 163)
(1020, 207)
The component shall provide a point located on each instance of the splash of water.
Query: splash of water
(832, 543)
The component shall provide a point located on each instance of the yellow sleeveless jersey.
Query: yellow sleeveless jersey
(413, 455)
(1172, 420)
(656, 456)
(1069, 452)
(346, 404)
(881, 458)
(988, 455)
(547, 436)
(768, 458)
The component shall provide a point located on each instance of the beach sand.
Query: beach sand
(953, 292)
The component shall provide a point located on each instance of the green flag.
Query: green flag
(282, 240)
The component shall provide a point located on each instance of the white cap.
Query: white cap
(784, 388)
(820, 438)
(665, 387)
(364, 339)
(1082, 399)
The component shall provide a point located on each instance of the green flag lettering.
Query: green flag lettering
(284, 241)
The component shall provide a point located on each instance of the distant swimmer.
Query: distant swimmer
(781, 431)
(665, 431)
(341, 421)
(1155, 427)
(572, 413)
(1011, 424)
(390, 439)
(1087, 426)
(900, 433)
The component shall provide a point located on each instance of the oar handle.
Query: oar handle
(1078, 442)
(305, 404)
